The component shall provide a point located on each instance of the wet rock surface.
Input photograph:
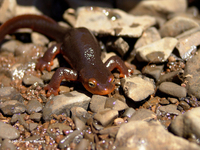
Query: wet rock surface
(156, 107)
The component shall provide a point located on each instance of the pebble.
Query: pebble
(115, 104)
(74, 137)
(30, 79)
(164, 101)
(128, 112)
(143, 114)
(184, 105)
(46, 75)
(11, 107)
(168, 76)
(7, 145)
(106, 116)
(39, 39)
(173, 100)
(97, 103)
(32, 126)
(63, 103)
(9, 93)
(171, 109)
(150, 35)
(117, 23)
(157, 51)
(8, 8)
(187, 124)
(153, 70)
(36, 116)
(188, 42)
(33, 106)
(118, 121)
(192, 76)
(80, 113)
(11, 46)
(69, 16)
(137, 88)
(148, 135)
(173, 89)
(83, 145)
(8, 132)
(177, 25)
(80, 125)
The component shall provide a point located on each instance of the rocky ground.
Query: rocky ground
(156, 108)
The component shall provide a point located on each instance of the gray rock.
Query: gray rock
(117, 23)
(192, 76)
(173, 89)
(80, 113)
(157, 51)
(80, 125)
(188, 42)
(36, 116)
(46, 75)
(7, 145)
(171, 109)
(74, 137)
(97, 103)
(168, 76)
(11, 46)
(11, 107)
(84, 144)
(30, 79)
(32, 126)
(143, 114)
(150, 35)
(176, 26)
(33, 106)
(187, 124)
(128, 112)
(39, 39)
(63, 104)
(8, 132)
(115, 104)
(106, 116)
(137, 88)
(137, 134)
(9, 93)
(153, 70)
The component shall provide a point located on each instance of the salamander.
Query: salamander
(80, 49)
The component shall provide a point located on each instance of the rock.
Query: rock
(84, 144)
(32, 126)
(11, 107)
(153, 70)
(188, 42)
(80, 125)
(184, 105)
(39, 39)
(137, 88)
(164, 101)
(173, 89)
(46, 76)
(30, 79)
(143, 114)
(7, 145)
(176, 26)
(11, 46)
(112, 21)
(173, 100)
(106, 116)
(9, 93)
(119, 45)
(74, 137)
(168, 76)
(115, 104)
(105, 56)
(69, 16)
(111, 131)
(171, 109)
(63, 104)
(80, 113)
(157, 51)
(36, 116)
(159, 7)
(97, 103)
(33, 106)
(8, 132)
(192, 76)
(150, 35)
(128, 112)
(187, 124)
(8, 9)
(137, 134)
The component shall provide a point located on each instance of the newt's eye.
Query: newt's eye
(92, 83)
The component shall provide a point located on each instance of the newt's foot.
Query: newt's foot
(42, 64)
(50, 90)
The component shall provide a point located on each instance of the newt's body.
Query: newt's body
(80, 49)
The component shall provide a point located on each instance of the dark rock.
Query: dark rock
(33, 106)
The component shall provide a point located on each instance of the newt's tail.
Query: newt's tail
(38, 23)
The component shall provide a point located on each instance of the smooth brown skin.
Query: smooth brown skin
(80, 49)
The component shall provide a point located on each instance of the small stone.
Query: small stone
(46, 75)
(39, 39)
(8, 132)
(80, 113)
(128, 112)
(106, 116)
(8, 9)
(69, 16)
(63, 104)
(32, 126)
(150, 35)
(11, 107)
(177, 25)
(8, 93)
(30, 79)
(118, 121)
(64, 89)
(171, 109)
(185, 105)
(36, 116)
(33, 106)
(115, 104)
(143, 114)
(173, 89)
(157, 51)
(168, 76)
(173, 100)
(153, 70)
(137, 88)
(97, 103)
(164, 101)
(11, 46)
(84, 144)
(80, 125)
(7, 145)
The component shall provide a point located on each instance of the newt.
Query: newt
(80, 49)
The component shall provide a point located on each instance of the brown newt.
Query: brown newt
(80, 49)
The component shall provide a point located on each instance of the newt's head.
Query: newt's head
(98, 82)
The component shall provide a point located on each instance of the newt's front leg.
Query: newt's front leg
(47, 60)
(116, 62)
(60, 74)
